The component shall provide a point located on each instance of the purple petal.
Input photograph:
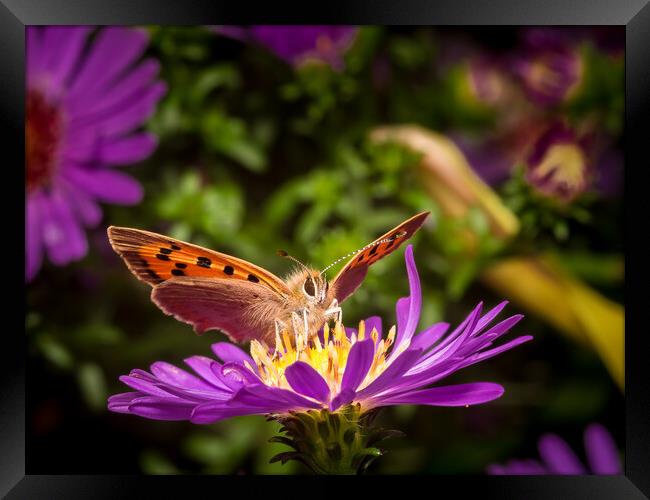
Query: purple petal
(239, 372)
(498, 350)
(105, 185)
(33, 236)
(120, 402)
(161, 409)
(305, 380)
(112, 51)
(144, 386)
(349, 332)
(558, 456)
(601, 450)
(131, 86)
(206, 368)
(209, 413)
(130, 115)
(429, 336)
(127, 150)
(450, 345)
(84, 207)
(453, 395)
(414, 304)
(505, 325)
(230, 353)
(271, 397)
(175, 376)
(34, 52)
(64, 239)
(489, 316)
(64, 51)
(342, 398)
(400, 365)
(359, 362)
(373, 323)
(402, 313)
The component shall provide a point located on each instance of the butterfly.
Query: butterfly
(212, 290)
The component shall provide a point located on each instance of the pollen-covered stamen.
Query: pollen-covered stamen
(43, 131)
(328, 356)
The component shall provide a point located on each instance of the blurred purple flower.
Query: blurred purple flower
(84, 105)
(558, 458)
(549, 66)
(610, 174)
(299, 44)
(330, 371)
(488, 81)
(488, 158)
(559, 165)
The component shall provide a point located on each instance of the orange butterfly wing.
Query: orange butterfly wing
(154, 259)
(351, 276)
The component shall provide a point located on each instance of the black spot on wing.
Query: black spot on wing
(203, 262)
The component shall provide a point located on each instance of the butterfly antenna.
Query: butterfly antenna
(373, 244)
(283, 253)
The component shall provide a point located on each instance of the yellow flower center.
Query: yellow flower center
(329, 357)
(565, 163)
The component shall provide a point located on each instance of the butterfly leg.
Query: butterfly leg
(280, 326)
(300, 322)
(335, 309)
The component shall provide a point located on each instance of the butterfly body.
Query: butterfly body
(212, 290)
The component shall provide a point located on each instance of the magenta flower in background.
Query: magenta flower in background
(85, 101)
(549, 67)
(558, 165)
(556, 457)
(299, 44)
(340, 367)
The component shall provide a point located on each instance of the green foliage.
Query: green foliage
(543, 216)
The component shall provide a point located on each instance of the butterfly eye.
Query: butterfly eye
(309, 287)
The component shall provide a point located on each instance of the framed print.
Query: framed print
(383, 243)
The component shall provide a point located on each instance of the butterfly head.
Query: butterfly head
(309, 283)
(315, 287)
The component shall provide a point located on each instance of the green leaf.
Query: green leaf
(93, 385)
(153, 462)
(54, 351)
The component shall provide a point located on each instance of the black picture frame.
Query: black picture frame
(633, 14)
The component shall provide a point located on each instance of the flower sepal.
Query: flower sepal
(340, 442)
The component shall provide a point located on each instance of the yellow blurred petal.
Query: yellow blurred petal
(538, 285)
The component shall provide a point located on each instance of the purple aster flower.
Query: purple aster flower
(549, 67)
(339, 372)
(558, 165)
(85, 101)
(556, 457)
(299, 44)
